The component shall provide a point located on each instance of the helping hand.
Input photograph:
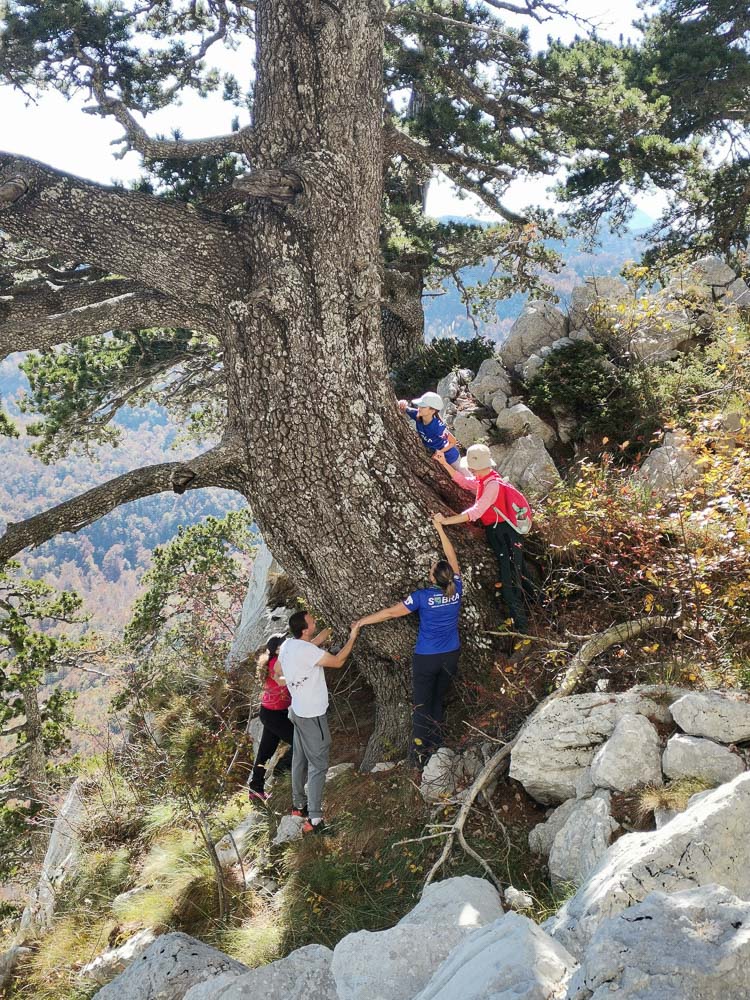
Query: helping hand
(438, 519)
(439, 457)
(402, 404)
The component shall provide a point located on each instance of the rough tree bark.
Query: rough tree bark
(35, 768)
(336, 481)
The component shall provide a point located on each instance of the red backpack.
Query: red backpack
(519, 509)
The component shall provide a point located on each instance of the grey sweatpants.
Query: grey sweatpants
(312, 741)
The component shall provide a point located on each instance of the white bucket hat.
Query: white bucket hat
(479, 456)
(429, 399)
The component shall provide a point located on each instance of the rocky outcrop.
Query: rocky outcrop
(518, 421)
(168, 968)
(694, 757)
(491, 381)
(539, 325)
(511, 957)
(723, 717)
(60, 864)
(669, 467)
(581, 841)
(563, 739)
(113, 961)
(631, 756)
(699, 847)
(528, 465)
(303, 975)
(396, 964)
(696, 947)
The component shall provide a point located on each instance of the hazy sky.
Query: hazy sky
(57, 132)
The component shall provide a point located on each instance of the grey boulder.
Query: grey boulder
(582, 841)
(721, 717)
(539, 325)
(631, 756)
(691, 945)
(703, 845)
(168, 968)
(518, 421)
(511, 957)
(395, 964)
(302, 975)
(562, 740)
(529, 466)
(695, 757)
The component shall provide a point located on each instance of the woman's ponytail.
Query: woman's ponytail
(443, 574)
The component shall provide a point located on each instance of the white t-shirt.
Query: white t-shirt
(304, 678)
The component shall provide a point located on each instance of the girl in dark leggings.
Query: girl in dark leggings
(277, 728)
(435, 660)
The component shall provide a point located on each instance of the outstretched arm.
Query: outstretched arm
(450, 553)
(395, 611)
(339, 659)
(323, 636)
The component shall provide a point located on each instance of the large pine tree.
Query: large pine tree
(262, 274)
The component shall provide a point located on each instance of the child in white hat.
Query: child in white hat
(425, 411)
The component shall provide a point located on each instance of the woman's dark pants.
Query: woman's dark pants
(432, 674)
(508, 549)
(276, 728)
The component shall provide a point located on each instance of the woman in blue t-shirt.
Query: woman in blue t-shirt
(435, 660)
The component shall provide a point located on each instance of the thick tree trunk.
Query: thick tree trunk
(337, 483)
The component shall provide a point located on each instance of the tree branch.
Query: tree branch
(127, 233)
(219, 467)
(41, 315)
(396, 141)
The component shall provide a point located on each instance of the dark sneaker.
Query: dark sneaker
(320, 828)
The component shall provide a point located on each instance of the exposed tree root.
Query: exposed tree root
(593, 646)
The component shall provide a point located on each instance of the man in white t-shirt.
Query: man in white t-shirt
(302, 664)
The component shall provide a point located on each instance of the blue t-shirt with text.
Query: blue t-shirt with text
(438, 618)
(433, 434)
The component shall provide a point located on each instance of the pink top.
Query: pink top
(275, 696)
(489, 497)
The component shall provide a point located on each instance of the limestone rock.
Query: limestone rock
(583, 297)
(562, 740)
(721, 717)
(567, 425)
(168, 968)
(60, 863)
(737, 294)
(694, 757)
(518, 420)
(468, 430)
(385, 765)
(542, 836)
(582, 841)
(490, 379)
(499, 401)
(529, 467)
(691, 945)
(669, 467)
(511, 957)
(449, 386)
(113, 961)
(698, 847)
(585, 787)
(337, 769)
(655, 329)
(232, 847)
(305, 974)
(518, 899)
(539, 325)
(531, 367)
(631, 757)
(289, 828)
(664, 816)
(447, 771)
(396, 964)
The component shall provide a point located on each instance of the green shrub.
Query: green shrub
(435, 360)
(605, 400)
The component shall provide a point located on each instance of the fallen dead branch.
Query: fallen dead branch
(577, 667)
